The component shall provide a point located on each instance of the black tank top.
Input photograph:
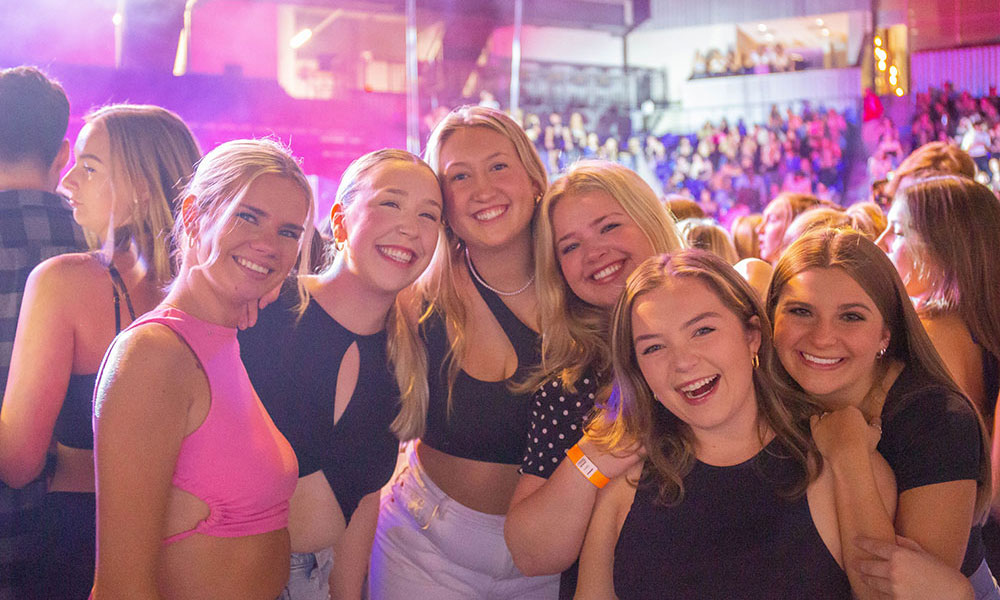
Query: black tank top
(733, 536)
(487, 422)
(293, 365)
(74, 427)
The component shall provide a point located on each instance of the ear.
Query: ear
(337, 223)
(886, 338)
(189, 216)
(752, 332)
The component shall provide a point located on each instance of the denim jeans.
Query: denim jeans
(309, 576)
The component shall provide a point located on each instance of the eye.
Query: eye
(650, 349)
(798, 311)
(390, 204)
(703, 331)
(609, 226)
(569, 248)
(249, 217)
(290, 233)
(431, 216)
(459, 177)
(852, 317)
(498, 167)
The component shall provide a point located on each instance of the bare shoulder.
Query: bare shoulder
(151, 358)
(70, 275)
(947, 331)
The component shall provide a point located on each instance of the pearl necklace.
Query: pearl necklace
(472, 269)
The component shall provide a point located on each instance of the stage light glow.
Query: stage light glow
(116, 19)
(893, 70)
(825, 32)
(899, 91)
(761, 28)
(881, 65)
(819, 22)
(892, 80)
(878, 41)
(880, 54)
(300, 38)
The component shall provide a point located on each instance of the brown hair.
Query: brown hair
(744, 232)
(866, 264)
(868, 218)
(708, 235)
(667, 439)
(932, 157)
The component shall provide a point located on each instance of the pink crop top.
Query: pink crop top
(237, 461)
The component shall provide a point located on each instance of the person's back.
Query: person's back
(37, 224)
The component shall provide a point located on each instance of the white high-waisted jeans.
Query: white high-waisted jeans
(430, 547)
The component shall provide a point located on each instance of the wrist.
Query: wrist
(586, 466)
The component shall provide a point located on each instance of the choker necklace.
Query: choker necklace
(472, 269)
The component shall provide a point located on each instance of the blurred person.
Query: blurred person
(939, 157)
(819, 217)
(707, 234)
(867, 218)
(131, 161)
(778, 215)
(37, 225)
(744, 232)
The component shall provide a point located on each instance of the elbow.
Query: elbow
(533, 559)
(17, 476)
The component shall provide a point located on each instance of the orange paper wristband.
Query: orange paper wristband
(586, 466)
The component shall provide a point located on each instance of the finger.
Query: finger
(876, 547)
(269, 297)
(877, 568)
(883, 586)
(906, 542)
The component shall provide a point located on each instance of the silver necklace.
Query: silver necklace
(472, 269)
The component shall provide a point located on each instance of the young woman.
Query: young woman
(130, 161)
(323, 375)
(848, 336)
(595, 225)
(440, 531)
(778, 215)
(952, 279)
(727, 502)
(193, 478)
(707, 234)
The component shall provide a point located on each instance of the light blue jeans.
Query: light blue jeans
(430, 547)
(984, 584)
(309, 576)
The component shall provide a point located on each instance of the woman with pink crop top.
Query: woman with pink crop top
(193, 478)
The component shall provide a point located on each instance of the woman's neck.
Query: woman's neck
(507, 268)
(349, 300)
(194, 295)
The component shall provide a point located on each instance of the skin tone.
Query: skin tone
(771, 233)
(898, 246)
(389, 231)
(827, 331)
(65, 326)
(695, 355)
(546, 523)
(489, 200)
(146, 407)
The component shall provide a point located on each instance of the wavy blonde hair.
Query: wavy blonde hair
(707, 234)
(153, 153)
(436, 290)
(869, 266)
(575, 333)
(667, 439)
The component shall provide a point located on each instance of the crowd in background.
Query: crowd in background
(765, 58)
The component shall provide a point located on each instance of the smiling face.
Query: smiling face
(89, 186)
(489, 197)
(258, 245)
(898, 243)
(828, 332)
(695, 355)
(771, 233)
(391, 226)
(597, 244)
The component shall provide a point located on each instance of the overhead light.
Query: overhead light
(881, 65)
(819, 22)
(761, 28)
(825, 32)
(880, 54)
(769, 37)
(300, 38)
(116, 19)
(893, 79)
(899, 91)
(878, 41)
(893, 70)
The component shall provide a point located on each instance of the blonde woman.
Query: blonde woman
(440, 529)
(130, 163)
(595, 226)
(707, 234)
(778, 215)
(322, 370)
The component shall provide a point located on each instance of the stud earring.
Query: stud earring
(881, 353)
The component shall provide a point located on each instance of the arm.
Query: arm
(352, 552)
(141, 410)
(847, 444)
(547, 519)
(906, 571)
(40, 368)
(942, 533)
(597, 557)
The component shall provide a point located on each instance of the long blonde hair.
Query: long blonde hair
(667, 439)
(866, 264)
(153, 153)
(436, 291)
(575, 333)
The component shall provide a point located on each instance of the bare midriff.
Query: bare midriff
(482, 486)
(253, 567)
(315, 520)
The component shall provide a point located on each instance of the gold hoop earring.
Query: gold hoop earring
(755, 361)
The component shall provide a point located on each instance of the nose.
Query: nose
(883, 240)
(69, 179)
(822, 334)
(483, 188)
(684, 361)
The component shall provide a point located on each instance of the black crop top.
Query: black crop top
(732, 536)
(293, 367)
(74, 427)
(487, 422)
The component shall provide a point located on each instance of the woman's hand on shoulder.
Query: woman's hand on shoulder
(905, 571)
(844, 432)
(615, 462)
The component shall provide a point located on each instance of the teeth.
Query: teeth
(397, 254)
(253, 266)
(491, 213)
(820, 361)
(697, 384)
(607, 271)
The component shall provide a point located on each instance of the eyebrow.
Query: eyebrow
(89, 156)
(591, 224)
(264, 213)
(688, 323)
(846, 306)
(462, 163)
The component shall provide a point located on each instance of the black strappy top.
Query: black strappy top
(487, 422)
(74, 428)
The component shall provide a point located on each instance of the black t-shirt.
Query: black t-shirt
(293, 365)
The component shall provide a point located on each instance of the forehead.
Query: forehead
(897, 211)
(582, 207)
(826, 287)
(93, 139)
(671, 305)
(474, 144)
(407, 176)
(280, 196)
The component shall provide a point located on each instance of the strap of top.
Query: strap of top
(116, 283)
(522, 337)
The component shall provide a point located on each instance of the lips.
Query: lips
(489, 214)
(698, 390)
(254, 267)
(820, 362)
(608, 272)
(397, 254)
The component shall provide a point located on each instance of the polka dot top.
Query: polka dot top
(557, 419)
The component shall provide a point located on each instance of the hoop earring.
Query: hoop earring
(881, 353)
(755, 361)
